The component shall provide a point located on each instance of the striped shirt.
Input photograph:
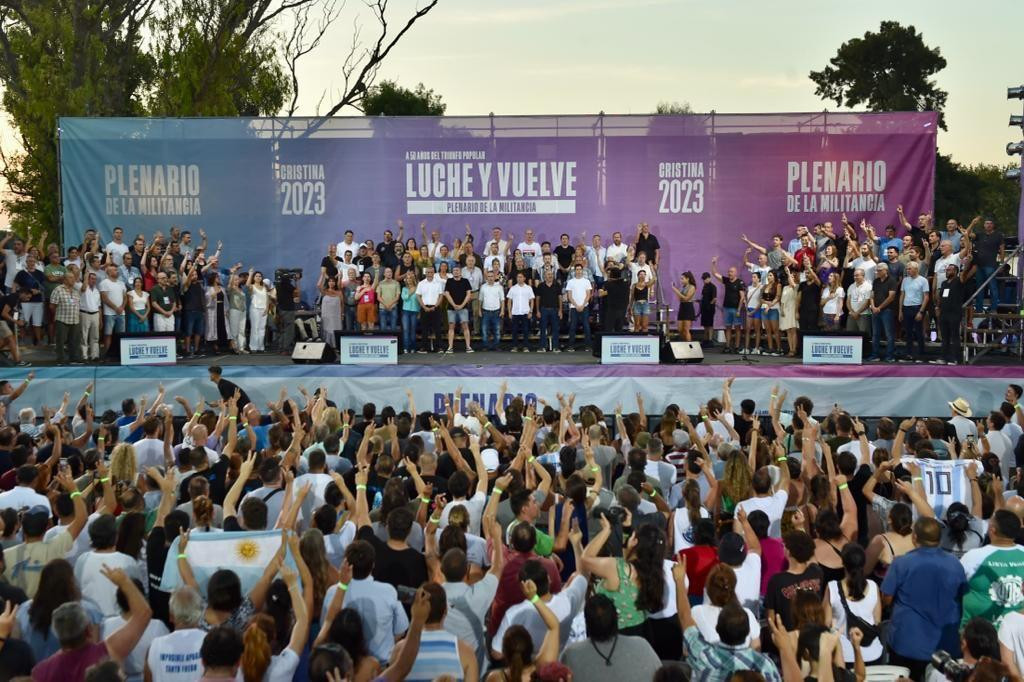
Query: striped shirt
(438, 656)
(717, 662)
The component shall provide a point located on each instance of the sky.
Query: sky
(625, 56)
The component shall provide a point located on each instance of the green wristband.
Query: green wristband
(425, 500)
(534, 599)
(183, 556)
(343, 586)
(844, 486)
(496, 489)
(361, 487)
(75, 494)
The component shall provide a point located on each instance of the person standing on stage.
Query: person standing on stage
(549, 312)
(260, 297)
(428, 294)
(458, 293)
(708, 297)
(731, 304)
(521, 302)
(615, 292)
(685, 293)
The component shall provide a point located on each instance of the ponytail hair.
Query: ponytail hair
(257, 653)
(691, 496)
(518, 648)
(853, 564)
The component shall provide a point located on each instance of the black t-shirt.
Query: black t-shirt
(951, 296)
(285, 294)
(34, 279)
(397, 567)
(165, 297)
(648, 245)
(564, 254)
(16, 659)
(708, 295)
(156, 557)
(618, 294)
(733, 289)
(331, 265)
(192, 297)
(782, 587)
(880, 289)
(986, 249)
(549, 294)
(12, 301)
(227, 390)
(458, 289)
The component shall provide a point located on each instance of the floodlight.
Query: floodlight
(1016, 120)
(1012, 174)
(1014, 148)
(1015, 93)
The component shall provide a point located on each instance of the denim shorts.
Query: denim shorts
(641, 308)
(753, 313)
(456, 316)
(192, 323)
(732, 317)
(113, 324)
(772, 314)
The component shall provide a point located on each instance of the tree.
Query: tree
(890, 70)
(387, 98)
(167, 58)
(674, 107)
(962, 192)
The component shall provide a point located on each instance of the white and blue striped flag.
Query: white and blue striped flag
(247, 553)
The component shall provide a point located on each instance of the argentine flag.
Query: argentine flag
(247, 553)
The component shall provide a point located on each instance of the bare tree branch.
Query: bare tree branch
(304, 39)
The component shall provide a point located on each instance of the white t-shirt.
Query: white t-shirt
(430, 290)
(942, 264)
(20, 497)
(352, 248)
(773, 506)
(14, 263)
(1011, 635)
(175, 657)
(134, 666)
(95, 586)
(859, 295)
(634, 268)
(492, 297)
(281, 669)
(865, 608)
(565, 605)
(717, 427)
(835, 304)
(530, 251)
(577, 288)
(474, 507)
(853, 447)
(867, 265)
(999, 445)
(118, 251)
(149, 452)
(706, 617)
(115, 291)
(520, 295)
(682, 529)
(616, 252)
(138, 300)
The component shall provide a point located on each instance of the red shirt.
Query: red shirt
(700, 559)
(806, 252)
(510, 590)
(70, 665)
(773, 560)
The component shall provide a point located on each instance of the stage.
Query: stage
(870, 390)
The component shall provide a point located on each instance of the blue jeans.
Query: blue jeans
(882, 320)
(912, 330)
(548, 327)
(490, 329)
(410, 318)
(575, 317)
(350, 318)
(389, 319)
(520, 327)
(980, 276)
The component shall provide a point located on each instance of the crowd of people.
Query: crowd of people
(537, 296)
(548, 541)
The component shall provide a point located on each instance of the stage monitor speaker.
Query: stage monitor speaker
(686, 352)
(312, 353)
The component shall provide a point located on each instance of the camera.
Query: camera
(950, 667)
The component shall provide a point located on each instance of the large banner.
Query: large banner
(278, 191)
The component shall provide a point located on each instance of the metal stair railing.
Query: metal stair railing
(1005, 330)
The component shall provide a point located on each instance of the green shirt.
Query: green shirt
(994, 582)
(57, 271)
(165, 297)
(388, 290)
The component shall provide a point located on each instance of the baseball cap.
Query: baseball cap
(731, 549)
(35, 520)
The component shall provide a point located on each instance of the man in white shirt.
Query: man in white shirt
(175, 657)
(858, 304)
(641, 265)
(348, 245)
(596, 255)
(773, 504)
(88, 567)
(565, 605)
(496, 239)
(617, 250)
(317, 479)
(865, 262)
(998, 443)
(520, 308)
(530, 250)
(23, 495)
(113, 293)
(948, 257)
(469, 604)
(961, 420)
(493, 254)
(14, 258)
(434, 244)
(116, 249)
(428, 293)
(492, 306)
(578, 292)
(90, 318)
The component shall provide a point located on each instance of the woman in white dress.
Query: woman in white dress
(861, 597)
(260, 299)
(787, 312)
(330, 308)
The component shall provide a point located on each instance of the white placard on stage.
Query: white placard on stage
(833, 350)
(149, 350)
(368, 350)
(630, 350)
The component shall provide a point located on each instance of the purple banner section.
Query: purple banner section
(278, 191)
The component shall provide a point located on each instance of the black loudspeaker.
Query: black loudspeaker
(686, 352)
(313, 353)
